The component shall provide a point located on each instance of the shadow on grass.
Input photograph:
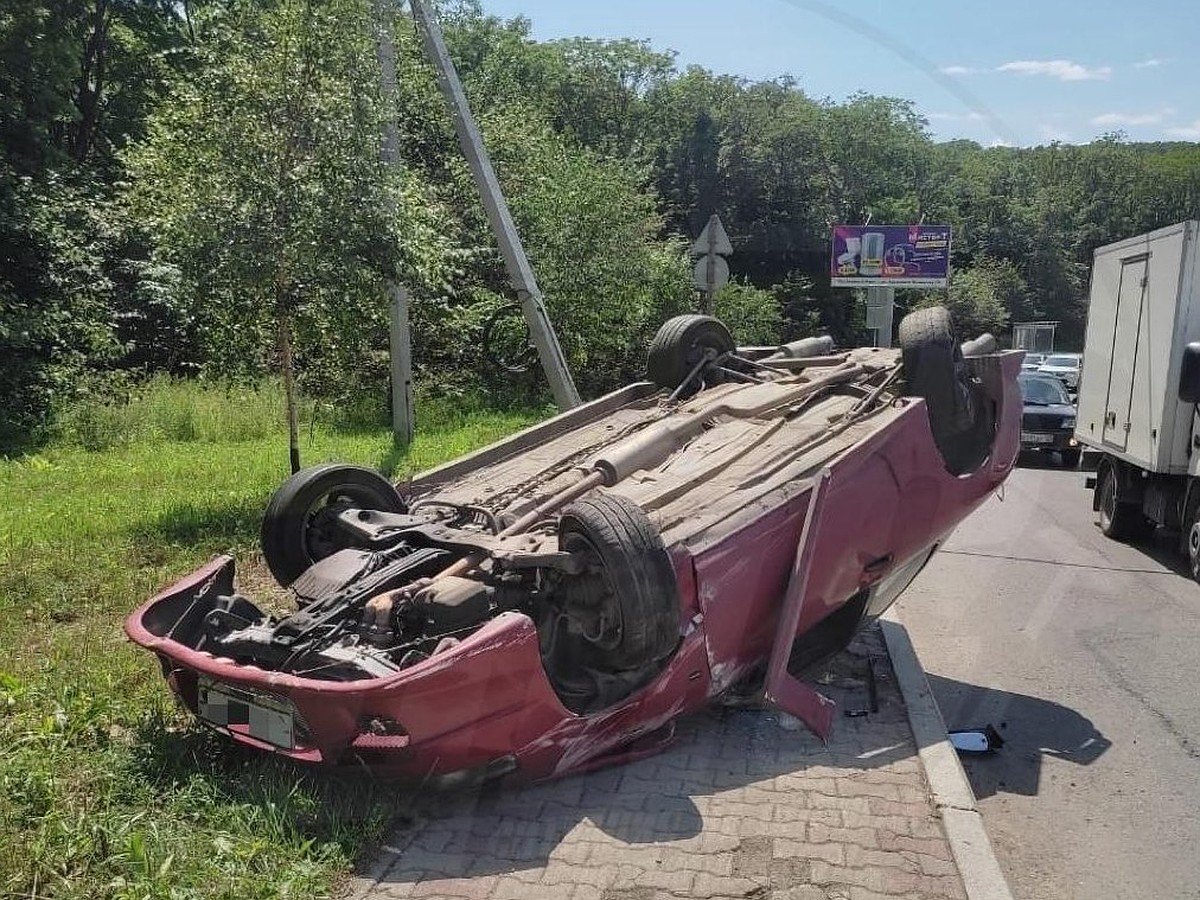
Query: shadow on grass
(196, 525)
(266, 793)
(391, 460)
(15, 444)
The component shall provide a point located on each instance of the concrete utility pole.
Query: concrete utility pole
(402, 377)
(519, 270)
(881, 313)
(401, 339)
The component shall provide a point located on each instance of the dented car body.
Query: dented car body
(553, 603)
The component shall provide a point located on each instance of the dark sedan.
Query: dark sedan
(1048, 420)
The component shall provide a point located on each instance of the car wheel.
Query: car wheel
(1119, 520)
(297, 528)
(681, 345)
(626, 602)
(960, 414)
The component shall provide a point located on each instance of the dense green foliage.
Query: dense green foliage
(106, 789)
(177, 178)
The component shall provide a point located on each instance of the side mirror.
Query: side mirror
(1189, 374)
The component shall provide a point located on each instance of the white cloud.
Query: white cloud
(1154, 117)
(1054, 133)
(957, 70)
(1187, 132)
(1151, 63)
(970, 116)
(1062, 69)
(999, 142)
(955, 117)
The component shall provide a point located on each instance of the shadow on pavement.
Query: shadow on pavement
(1162, 547)
(1042, 459)
(725, 763)
(1033, 729)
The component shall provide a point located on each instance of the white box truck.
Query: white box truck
(1139, 393)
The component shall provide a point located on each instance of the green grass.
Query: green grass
(106, 789)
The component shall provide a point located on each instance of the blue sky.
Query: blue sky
(1010, 71)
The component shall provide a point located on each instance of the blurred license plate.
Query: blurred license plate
(236, 709)
(1027, 438)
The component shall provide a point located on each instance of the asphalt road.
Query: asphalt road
(1085, 654)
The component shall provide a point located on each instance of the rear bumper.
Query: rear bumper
(1070, 382)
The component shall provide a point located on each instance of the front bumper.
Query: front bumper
(462, 709)
(483, 705)
(1050, 441)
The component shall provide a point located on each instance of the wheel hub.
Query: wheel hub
(320, 536)
(590, 602)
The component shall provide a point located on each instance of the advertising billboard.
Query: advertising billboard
(891, 256)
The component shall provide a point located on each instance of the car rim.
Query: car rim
(701, 352)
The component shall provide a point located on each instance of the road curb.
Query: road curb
(952, 794)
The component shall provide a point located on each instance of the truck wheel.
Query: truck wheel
(960, 414)
(626, 600)
(1119, 520)
(297, 530)
(681, 345)
(1193, 544)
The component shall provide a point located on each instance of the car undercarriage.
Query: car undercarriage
(620, 539)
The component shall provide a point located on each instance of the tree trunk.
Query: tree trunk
(90, 87)
(287, 365)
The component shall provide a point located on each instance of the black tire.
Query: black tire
(630, 573)
(960, 414)
(1119, 519)
(293, 533)
(680, 345)
(1070, 459)
(1191, 538)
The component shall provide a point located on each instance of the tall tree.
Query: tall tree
(263, 180)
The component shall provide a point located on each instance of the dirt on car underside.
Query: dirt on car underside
(715, 481)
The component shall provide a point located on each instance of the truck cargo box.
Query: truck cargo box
(1143, 310)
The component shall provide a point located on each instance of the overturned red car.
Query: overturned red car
(555, 602)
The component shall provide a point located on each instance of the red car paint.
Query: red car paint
(488, 703)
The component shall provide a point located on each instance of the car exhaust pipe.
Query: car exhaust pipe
(803, 349)
(644, 451)
(653, 445)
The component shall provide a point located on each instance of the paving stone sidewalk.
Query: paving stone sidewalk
(746, 804)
